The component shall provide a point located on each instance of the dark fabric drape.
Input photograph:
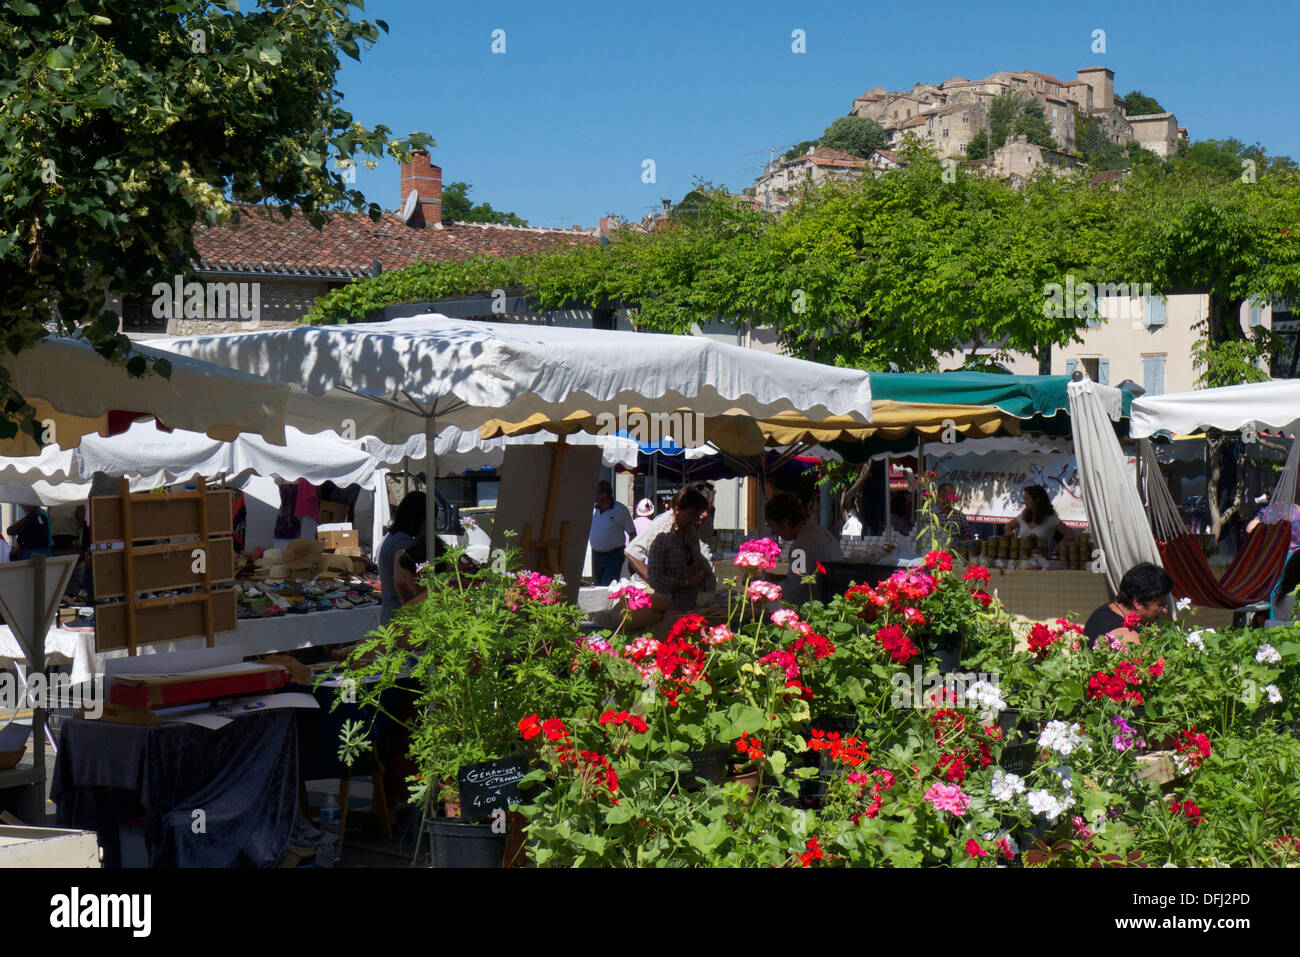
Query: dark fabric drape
(243, 777)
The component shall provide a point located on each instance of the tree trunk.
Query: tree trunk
(1219, 517)
(851, 493)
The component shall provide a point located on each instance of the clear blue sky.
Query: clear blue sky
(557, 127)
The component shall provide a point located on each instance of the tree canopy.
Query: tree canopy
(125, 125)
(457, 208)
(1014, 114)
(903, 268)
(1137, 103)
(858, 135)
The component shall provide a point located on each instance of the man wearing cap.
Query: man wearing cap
(611, 528)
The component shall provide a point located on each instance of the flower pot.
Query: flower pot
(749, 779)
(455, 843)
(712, 765)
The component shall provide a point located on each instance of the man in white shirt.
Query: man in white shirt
(611, 527)
(809, 544)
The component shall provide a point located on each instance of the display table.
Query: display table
(263, 636)
(62, 647)
(243, 778)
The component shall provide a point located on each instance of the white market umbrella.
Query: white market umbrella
(81, 387)
(1274, 404)
(394, 380)
(1116, 517)
(153, 458)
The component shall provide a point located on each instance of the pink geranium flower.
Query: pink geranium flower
(636, 598)
(758, 553)
(948, 797)
(763, 591)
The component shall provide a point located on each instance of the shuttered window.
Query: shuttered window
(1153, 375)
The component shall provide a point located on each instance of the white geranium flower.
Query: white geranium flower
(987, 694)
(1062, 738)
(1267, 655)
(1274, 695)
(1006, 786)
(1183, 604)
(1194, 639)
(1063, 773)
(1046, 803)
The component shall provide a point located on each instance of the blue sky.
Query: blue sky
(557, 127)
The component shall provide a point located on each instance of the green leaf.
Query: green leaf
(778, 761)
(24, 8)
(618, 814)
(60, 58)
(106, 96)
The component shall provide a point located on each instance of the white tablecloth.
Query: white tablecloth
(62, 647)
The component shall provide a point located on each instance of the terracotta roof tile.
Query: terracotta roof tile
(265, 242)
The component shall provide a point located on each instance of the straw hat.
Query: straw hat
(279, 573)
(304, 554)
(645, 508)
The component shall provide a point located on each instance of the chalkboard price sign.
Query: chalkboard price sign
(490, 785)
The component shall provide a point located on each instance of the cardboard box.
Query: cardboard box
(339, 538)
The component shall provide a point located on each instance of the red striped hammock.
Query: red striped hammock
(1249, 579)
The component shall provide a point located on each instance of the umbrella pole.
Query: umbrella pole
(430, 476)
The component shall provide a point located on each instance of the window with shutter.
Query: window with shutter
(1153, 311)
(1255, 309)
(1103, 371)
(1070, 366)
(1153, 375)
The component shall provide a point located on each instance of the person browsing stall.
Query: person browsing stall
(637, 552)
(407, 525)
(611, 530)
(676, 565)
(1039, 518)
(810, 544)
(1143, 591)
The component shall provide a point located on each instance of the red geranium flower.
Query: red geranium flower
(530, 727)
(974, 850)
(814, 852)
(554, 729)
(976, 573)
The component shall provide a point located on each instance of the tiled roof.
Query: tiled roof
(1045, 76)
(265, 242)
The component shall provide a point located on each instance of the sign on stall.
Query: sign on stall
(991, 486)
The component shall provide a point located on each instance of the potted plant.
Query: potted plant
(480, 652)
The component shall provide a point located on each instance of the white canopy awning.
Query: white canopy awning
(1274, 404)
(82, 387)
(406, 377)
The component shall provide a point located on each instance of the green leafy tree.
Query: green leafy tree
(978, 147)
(1237, 242)
(858, 135)
(799, 149)
(457, 208)
(1137, 103)
(126, 125)
(1017, 114)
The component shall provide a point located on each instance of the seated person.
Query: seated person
(676, 565)
(1144, 591)
(637, 552)
(900, 512)
(809, 544)
(1039, 519)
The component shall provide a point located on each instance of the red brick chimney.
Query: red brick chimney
(426, 179)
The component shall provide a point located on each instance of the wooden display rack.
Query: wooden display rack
(176, 525)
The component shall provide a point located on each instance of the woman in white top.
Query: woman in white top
(1039, 518)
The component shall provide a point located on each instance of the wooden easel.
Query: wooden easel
(552, 553)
